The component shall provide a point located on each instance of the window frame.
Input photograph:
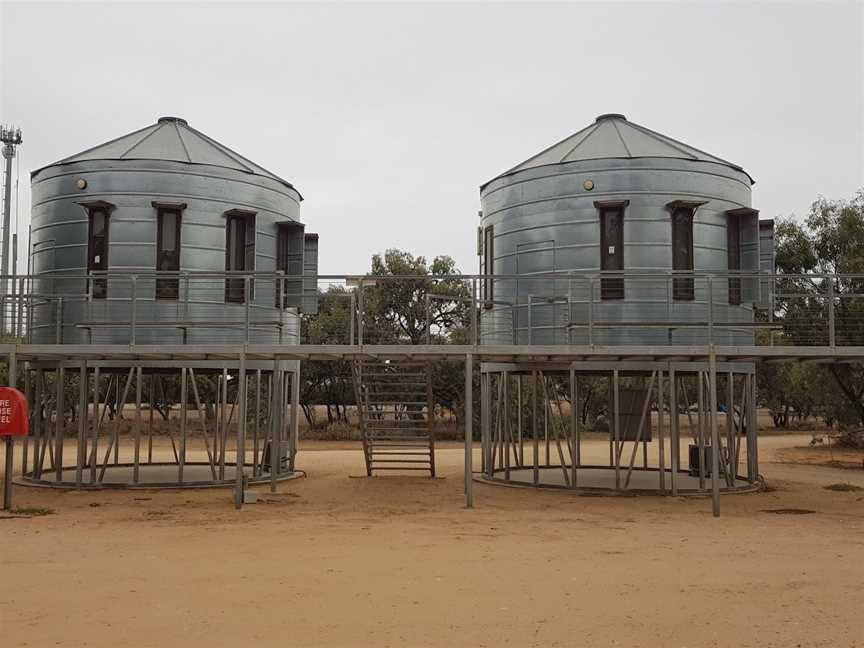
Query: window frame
(733, 262)
(612, 288)
(97, 287)
(168, 288)
(488, 265)
(291, 294)
(683, 288)
(234, 287)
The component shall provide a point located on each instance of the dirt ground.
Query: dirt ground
(332, 560)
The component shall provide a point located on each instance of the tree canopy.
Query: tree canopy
(830, 240)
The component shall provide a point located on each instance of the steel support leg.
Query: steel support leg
(715, 434)
(535, 439)
(674, 431)
(469, 432)
(575, 448)
(82, 425)
(617, 428)
(240, 460)
(59, 420)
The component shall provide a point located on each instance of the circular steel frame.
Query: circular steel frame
(29, 480)
(516, 422)
(201, 411)
(742, 486)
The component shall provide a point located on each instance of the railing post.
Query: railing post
(475, 333)
(351, 314)
(360, 312)
(709, 280)
(21, 294)
(428, 318)
(89, 305)
(591, 311)
(58, 334)
(280, 289)
(185, 297)
(134, 308)
(246, 308)
(12, 308)
(569, 309)
(669, 280)
(832, 335)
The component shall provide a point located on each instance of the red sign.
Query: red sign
(13, 412)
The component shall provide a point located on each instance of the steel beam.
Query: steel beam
(469, 430)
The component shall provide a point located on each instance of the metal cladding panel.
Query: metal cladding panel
(59, 245)
(545, 220)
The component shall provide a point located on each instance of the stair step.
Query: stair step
(397, 425)
(398, 446)
(394, 374)
(403, 461)
(391, 412)
(396, 436)
(399, 443)
(395, 403)
(403, 453)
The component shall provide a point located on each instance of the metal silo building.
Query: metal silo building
(166, 199)
(619, 237)
(157, 259)
(616, 196)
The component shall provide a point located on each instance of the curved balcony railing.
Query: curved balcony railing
(560, 308)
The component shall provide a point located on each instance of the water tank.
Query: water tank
(166, 197)
(617, 196)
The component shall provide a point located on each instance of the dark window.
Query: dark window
(168, 252)
(97, 250)
(239, 253)
(611, 251)
(488, 265)
(682, 252)
(289, 260)
(733, 253)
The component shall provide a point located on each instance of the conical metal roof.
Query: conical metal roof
(173, 139)
(613, 136)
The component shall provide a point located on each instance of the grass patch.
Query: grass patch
(843, 487)
(33, 511)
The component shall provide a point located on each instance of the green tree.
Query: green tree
(327, 383)
(395, 309)
(831, 240)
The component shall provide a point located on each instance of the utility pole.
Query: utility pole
(10, 137)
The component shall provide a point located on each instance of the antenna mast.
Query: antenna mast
(10, 137)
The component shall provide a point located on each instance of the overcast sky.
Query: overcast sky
(388, 117)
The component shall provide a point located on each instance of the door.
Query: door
(612, 252)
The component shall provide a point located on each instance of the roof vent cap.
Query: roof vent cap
(610, 116)
(176, 120)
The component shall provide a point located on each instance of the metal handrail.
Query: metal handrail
(817, 313)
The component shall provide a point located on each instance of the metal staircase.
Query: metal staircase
(396, 411)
